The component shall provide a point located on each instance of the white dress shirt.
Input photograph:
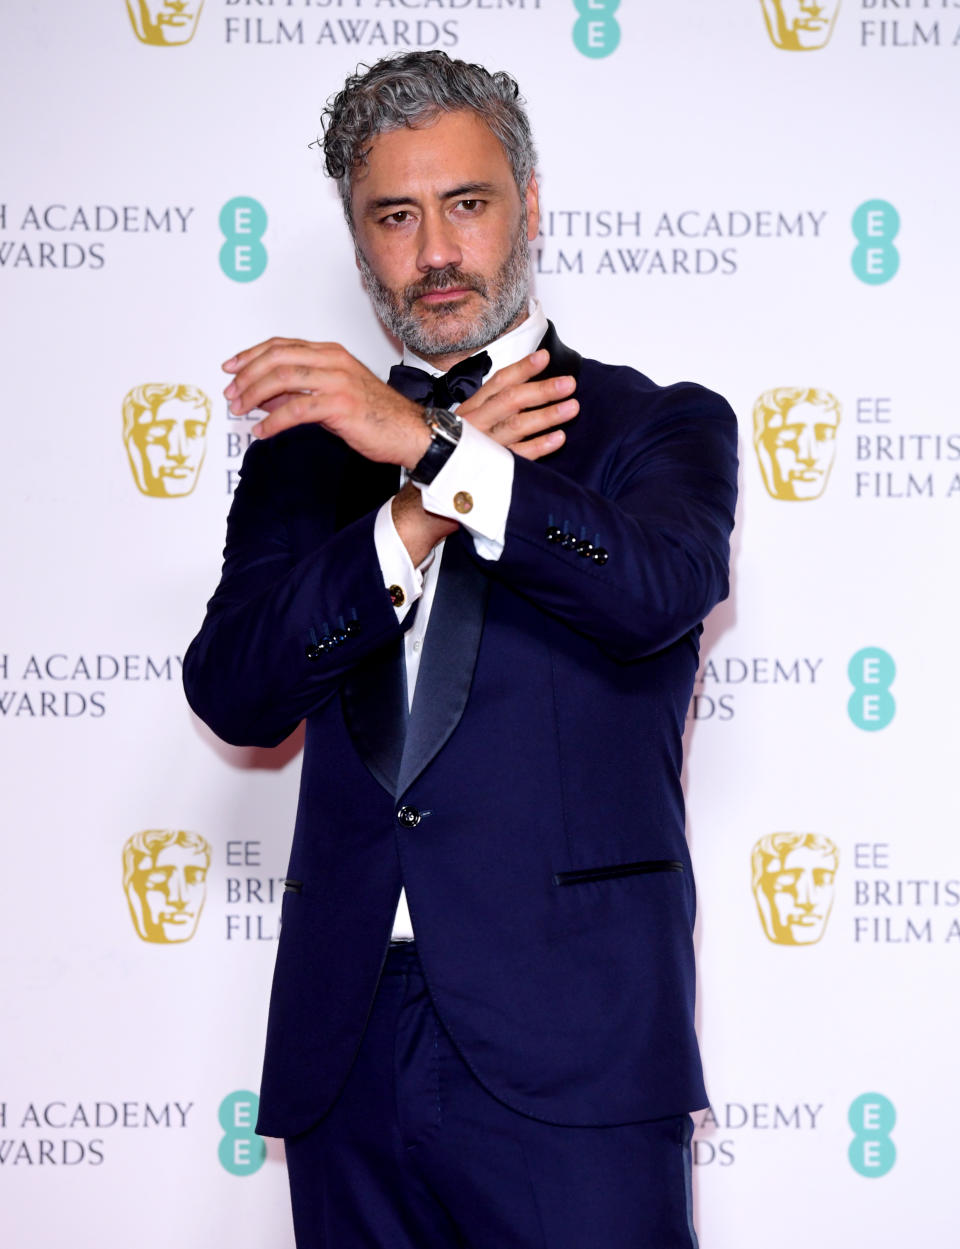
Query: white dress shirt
(480, 466)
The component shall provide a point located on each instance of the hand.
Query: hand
(298, 383)
(509, 407)
(501, 408)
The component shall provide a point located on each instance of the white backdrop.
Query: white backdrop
(700, 186)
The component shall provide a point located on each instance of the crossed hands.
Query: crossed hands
(299, 383)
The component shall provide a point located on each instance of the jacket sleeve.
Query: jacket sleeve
(638, 555)
(284, 627)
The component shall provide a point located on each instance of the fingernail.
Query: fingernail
(569, 408)
(538, 355)
(228, 364)
(554, 439)
(257, 430)
(235, 406)
(231, 390)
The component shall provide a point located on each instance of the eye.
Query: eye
(399, 218)
(469, 205)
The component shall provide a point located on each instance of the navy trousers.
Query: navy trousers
(416, 1154)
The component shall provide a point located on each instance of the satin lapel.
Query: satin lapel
(563, 360)
(374, 700)
(374, 695)
(449, 658)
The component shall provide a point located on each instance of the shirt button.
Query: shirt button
(463, 502)
(416, 647)
(397, 596)
(409, 817)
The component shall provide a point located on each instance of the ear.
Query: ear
(532, 203)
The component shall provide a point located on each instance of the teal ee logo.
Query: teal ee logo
(241, 1151)
(596, 32)
(242, 223)
(875, 259)
(872, 1153)
(871, 705)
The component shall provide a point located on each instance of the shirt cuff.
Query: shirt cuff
(404, 582)
(474, 487)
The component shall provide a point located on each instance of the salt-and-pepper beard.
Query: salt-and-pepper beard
(505, 296)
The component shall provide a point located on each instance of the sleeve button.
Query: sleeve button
(601, 555)
(554, 534)
(312, 651)
(585, 548)
(569, 541)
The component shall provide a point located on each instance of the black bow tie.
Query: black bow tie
(460, 383)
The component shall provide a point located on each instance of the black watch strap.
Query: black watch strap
(445, 429)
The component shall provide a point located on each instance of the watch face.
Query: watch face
(444, 424)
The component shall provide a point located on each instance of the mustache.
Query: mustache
(445, 279)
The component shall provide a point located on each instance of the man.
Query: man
(523, 1073)
(795, 437)
(793, 875)
(164, 878)
(165, 433)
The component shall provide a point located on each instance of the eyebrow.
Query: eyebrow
(457, 192)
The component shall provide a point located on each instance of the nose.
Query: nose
(177, 444)
(804, 892)
(806, 446)
(438, 247)
(176, 892)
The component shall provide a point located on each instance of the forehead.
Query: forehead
(177, 410)
(801, 857)
(173, 855)
(445, 152)
(803, 414)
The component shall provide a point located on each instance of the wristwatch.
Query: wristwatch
(445, 430)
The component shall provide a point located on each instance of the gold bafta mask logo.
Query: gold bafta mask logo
(165, 880)
(793, 875)
(795, 438)
(164, 23)
(165, 433)
(800, 25)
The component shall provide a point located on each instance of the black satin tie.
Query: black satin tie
(463, 380)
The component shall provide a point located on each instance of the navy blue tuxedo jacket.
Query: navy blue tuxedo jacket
(531, 805)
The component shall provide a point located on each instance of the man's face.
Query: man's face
(168, 893)
(800, 25)
(166, 447)
(798, 893)
(161, 22)
(441, 233)
(796, 450)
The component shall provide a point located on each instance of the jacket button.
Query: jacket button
(585, 548)
(312, 651)
(554, 534)
(601, 555)
(409, 817)
(569, 541)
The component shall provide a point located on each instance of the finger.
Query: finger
(520, 397)
(298, 410)
(536, 448)
(521, 425)
(235, 363)
(275, 353)
(298, 370)
(520, 371)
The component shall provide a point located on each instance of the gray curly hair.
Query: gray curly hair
(410, 88)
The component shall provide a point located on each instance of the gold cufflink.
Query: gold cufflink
(463, 501)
